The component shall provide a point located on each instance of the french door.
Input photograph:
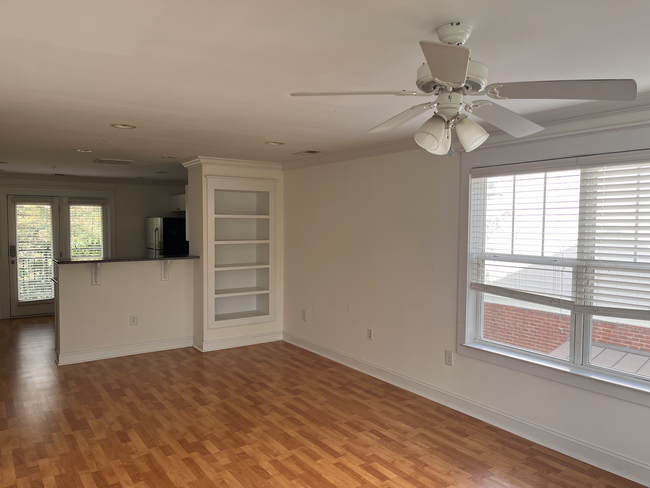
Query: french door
(33, 243)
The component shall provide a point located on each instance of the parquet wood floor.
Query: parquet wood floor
(270, 415)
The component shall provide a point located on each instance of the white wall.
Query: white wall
(373, 243)
(94, 319)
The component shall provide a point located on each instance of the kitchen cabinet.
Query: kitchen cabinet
(178, 203)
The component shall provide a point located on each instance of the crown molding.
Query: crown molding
(562, 131)
(350, 154)
(236, 163)
(588, 118)
(91, 179)
(190, 163)
(591, 111)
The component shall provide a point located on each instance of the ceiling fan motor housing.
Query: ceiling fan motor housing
(454, 34)
(476, 78)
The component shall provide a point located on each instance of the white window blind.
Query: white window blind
(614, 244)
(34, 252)
(524, 232)
(86, 230)
(580, 235)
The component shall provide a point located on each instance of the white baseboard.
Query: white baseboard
(248, 340)
(119, 351)
(583, 451)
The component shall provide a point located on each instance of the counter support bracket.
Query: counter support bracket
(164, 270)
(95, 278)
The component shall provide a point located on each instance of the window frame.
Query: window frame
(66, 203)
(590, 377)
(29, 191)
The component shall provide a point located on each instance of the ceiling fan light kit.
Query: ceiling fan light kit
(470, 134)
(451, 76)
(445, 144)
(431, 134)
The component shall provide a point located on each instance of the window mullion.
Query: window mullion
(544, 213)
(586, 220)
(577, 334)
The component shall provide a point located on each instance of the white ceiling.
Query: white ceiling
(212, 78)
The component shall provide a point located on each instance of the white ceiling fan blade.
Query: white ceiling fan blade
(402, 93)
(448, 64)
(403, 117)
(506, 120)
(619, 90)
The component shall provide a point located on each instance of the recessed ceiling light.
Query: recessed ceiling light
(123, 126)
(274, 143)
(83, 150)
(162, 172)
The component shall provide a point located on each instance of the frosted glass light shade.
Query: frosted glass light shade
(470, 134)
(445, 144)
(431, 133)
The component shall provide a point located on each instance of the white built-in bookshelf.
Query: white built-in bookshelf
(241, 262)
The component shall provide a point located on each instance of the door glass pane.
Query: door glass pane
(34, 251)
(86, 232)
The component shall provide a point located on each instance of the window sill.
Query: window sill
(587, 378)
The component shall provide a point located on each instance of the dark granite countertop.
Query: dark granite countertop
(124, 260)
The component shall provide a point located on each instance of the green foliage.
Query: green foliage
(86, 232)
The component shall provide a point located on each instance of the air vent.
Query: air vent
(113, 161)
(308, 152)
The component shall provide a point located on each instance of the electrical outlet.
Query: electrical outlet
(369, 334)
(304, 315)
(133, 319)
(449, 358)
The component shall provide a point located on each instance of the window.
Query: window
(559, 265)
(86, 230)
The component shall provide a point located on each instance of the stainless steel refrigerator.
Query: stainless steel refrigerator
(165, 236)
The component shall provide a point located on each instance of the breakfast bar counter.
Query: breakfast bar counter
(121, 306)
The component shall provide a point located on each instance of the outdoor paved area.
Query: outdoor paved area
(631, 362)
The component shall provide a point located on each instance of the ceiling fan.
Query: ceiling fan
(451, 76)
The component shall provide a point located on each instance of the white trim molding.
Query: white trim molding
(120, 351)
(583, 451)
(231, 342)
(236, 163)
(61, 180)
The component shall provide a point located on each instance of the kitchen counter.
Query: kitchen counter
(124, 260)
